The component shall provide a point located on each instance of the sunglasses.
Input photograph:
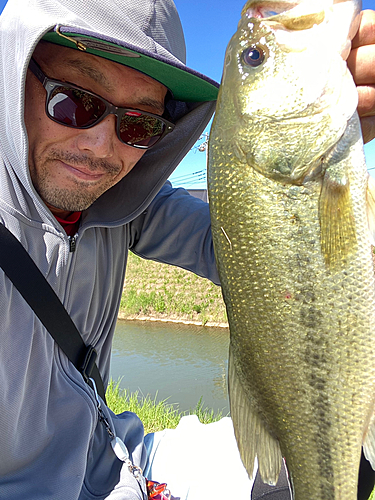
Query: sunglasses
(74, 107)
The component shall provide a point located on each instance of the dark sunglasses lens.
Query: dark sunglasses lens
(140, 130)
(74, 107)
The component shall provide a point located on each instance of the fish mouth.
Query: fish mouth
(293, 16)
(264, 10)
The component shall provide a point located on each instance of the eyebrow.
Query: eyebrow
(88, 70)
(99, 77)
(148, 101)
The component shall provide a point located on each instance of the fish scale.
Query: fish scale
(293, 248)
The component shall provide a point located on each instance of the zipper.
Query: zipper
(72, 242)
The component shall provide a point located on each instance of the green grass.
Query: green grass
(162, 291)
(155, 415)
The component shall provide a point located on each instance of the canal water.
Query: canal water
(181, 363)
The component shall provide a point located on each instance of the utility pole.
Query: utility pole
(203, 147)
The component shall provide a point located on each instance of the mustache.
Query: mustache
(92, 164)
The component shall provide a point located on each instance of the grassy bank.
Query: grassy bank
(154, 290)
(155, 416)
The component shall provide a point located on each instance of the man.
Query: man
(98, 110)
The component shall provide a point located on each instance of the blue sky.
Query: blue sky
(208, 26)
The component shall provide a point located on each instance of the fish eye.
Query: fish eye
(253, 56)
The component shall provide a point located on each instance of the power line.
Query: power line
(189, 179)
(195, 182)
(194, 177)
(190, 175)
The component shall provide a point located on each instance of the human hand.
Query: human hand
(361, 62)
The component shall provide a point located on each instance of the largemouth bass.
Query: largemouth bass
(291, 210)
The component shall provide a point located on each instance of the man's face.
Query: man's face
(71, 168)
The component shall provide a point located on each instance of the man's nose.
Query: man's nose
(100, 139)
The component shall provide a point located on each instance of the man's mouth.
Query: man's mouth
(82, 172)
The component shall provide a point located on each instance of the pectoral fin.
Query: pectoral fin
(338, 235)
(253, 437)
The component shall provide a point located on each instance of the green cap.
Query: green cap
(184, 83)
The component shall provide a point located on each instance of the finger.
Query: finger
(368, 128)
(366, 100)
(361, 63)
(366, 31)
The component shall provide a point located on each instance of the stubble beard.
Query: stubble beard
(71, 199)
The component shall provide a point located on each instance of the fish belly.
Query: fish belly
(302, 357)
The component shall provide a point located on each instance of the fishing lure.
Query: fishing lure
(158, 491)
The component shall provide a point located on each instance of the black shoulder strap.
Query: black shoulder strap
(35, 289)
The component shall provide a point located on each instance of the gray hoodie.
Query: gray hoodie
(52, 445)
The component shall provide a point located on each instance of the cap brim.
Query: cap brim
(184, 83)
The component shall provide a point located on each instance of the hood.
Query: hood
(146, 35)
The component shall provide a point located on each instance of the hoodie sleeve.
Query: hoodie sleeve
(176, 229)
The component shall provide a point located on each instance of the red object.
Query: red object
(158, 491)
(71, 223)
